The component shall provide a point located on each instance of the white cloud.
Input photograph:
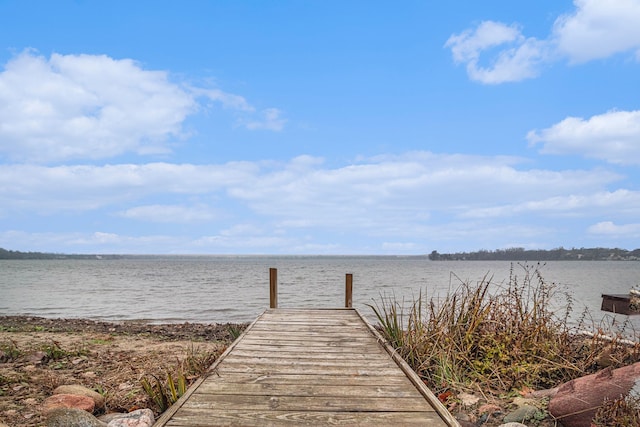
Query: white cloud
(228, 100)
(169, 213)
(467, 45)
(613, 137)
(519, 59)
(86, 107)
(88, 242)
(71, 107)
(598, 29)
(595, 29)
(381, 191)
(81, 188)
(621, 201)
(611, 229)
(270, 119)
(296, 205)
(251, 243)
(403, 247)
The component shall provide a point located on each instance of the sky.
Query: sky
(318, 127)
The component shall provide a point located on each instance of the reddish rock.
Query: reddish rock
(577, 401)
(81, 391)
(68, 401)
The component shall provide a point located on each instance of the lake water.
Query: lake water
(211, 289)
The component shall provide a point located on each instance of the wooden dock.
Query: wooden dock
(299, 367)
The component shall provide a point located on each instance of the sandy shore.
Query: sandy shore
(37, 355)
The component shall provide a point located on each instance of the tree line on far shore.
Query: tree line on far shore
(8, 254)
(558, 254)
(510, 254)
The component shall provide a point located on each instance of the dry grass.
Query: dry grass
(622, 412)
(34, 360)
(499, 338)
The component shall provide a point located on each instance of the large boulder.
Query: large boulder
(67, 417)
(74, 401)
(577, 401)
(81, 391)
(137, 418)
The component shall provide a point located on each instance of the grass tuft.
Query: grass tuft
(621, 412)
(499, 337)
(164, 393)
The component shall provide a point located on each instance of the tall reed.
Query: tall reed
(498, 337)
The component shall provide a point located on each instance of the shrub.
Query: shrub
(503, 337)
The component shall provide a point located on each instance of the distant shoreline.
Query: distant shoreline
(511, 254)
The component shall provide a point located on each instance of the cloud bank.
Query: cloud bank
(70, 107)
(613, 137)
(594, 30)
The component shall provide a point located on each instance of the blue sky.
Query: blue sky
(318, 127)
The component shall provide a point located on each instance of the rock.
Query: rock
(489, 408)
(468, 399)
(37, 358)
(68, 401)
(577, 401)
(512, 425)
(67, 417)
(138, 418)
(539, 394)
(461, 416)
(523, 413)
(521, 401)
(81, 391)
(105, 418)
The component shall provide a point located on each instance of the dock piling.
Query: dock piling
(273, 288)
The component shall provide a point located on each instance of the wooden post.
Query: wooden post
(273, 287)
(348, 294)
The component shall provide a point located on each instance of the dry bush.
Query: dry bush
(502, 337)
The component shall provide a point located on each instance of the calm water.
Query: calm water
(236, 289)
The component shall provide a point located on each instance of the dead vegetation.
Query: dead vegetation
(500, 341)
(37, 355)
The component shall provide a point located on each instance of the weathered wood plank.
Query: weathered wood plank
(311, 312)
(305, 403)
(306, 367)
(302, 353)
(339, 342)
(311, 335)
(323, 330)
(301, 363)
(310, 379)
(219, 387)
(316, 370)
(322, 349)
(317, 320)
(203, 418)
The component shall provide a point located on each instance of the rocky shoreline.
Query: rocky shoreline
(39, 355)
(167, 331)
(41, 358)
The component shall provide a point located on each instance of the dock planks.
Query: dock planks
(296, 367)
